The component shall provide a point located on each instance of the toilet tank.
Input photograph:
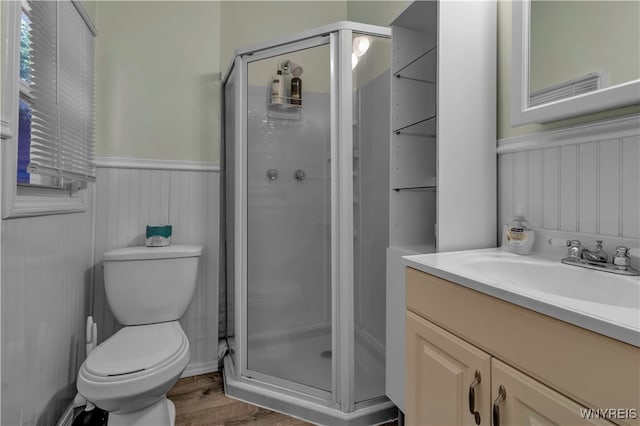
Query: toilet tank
(148, 285)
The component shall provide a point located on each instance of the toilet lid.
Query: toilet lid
(136, 348)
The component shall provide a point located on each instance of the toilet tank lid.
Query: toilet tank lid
(148, 253)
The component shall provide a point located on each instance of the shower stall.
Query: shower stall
(305, 208)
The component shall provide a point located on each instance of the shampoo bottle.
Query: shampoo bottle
(277, 88)
(296, 91)
(518, 237)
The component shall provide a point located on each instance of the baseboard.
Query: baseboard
(202, 368)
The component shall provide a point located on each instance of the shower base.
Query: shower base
(307, 359)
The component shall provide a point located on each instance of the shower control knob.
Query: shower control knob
(272, 174)
(300, 174)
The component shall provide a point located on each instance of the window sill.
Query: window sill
(26, 206)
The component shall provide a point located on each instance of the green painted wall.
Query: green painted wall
(159, 63)
(249, 22)
(504, 85)
(158, 79)
(375, 12)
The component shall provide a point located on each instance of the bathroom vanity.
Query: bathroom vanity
(514, 355)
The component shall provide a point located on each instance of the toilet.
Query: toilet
(148, 290)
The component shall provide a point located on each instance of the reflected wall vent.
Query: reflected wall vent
(577, 86)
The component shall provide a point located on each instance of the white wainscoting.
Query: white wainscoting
(583, 179)
(132, 193)
(46, 277)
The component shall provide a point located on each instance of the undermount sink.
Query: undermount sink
(596, 300)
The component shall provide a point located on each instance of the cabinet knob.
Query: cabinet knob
(502, 394)
(472, 396)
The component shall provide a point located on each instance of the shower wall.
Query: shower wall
(291, 293)
(371, 140)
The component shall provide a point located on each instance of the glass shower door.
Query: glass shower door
(288, 262)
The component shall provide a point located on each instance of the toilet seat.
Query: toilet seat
(136, 350)
(134, 367)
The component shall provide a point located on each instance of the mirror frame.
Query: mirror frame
(610, 97)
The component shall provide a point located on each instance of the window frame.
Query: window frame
(25, 200)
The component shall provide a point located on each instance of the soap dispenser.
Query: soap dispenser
(518, 237)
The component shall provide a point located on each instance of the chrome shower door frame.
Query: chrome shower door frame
(317, 395)
(342, 395)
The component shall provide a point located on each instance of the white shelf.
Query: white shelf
(423, 69)
(424, 128)
(412, 217)
(413, 102)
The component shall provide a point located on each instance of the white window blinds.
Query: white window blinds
(62, 130)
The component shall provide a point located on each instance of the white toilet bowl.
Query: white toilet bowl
(130, 373)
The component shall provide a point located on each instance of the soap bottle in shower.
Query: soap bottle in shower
(296, 91)
(518, 237)
(277, 88)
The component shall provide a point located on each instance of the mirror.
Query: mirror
(571, 58)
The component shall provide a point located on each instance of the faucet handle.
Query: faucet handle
(575, 249)
(622, 259)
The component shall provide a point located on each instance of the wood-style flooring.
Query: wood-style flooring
(200, 400)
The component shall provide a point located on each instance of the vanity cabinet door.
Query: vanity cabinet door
(440, 370)
(527, 402)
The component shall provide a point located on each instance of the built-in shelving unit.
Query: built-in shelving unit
(414, 133)
(442, 146)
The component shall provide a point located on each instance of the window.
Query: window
(47, 106)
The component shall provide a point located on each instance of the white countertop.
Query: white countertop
(602, 302)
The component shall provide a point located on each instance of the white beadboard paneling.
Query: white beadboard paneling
(505, 190)
(610, 187)
(588, 188)
(589, 177)
(551, 188)
(631, 187)
(534, 188)
(45, 282)
(520, 184)
(127, 200)
(193, 212)
(569, 188)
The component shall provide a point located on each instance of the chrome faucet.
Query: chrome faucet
(596, 259)
(598, 255)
